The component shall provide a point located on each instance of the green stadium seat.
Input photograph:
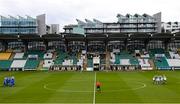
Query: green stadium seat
(5, 64)
(62, 55)
(90, 63)
(126, 55)
(39, 53)
(31, 64)
(161, 63)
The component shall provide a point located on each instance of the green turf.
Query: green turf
(78, 87)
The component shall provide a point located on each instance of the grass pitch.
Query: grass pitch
(78, 87)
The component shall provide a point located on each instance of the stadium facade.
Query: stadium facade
(130, 44)
(125, 24)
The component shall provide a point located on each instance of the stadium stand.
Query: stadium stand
(145, 65)
(40, 54)
(18, 64)
(60, 57)
(174, 63)
(159, 52)
(117, 59)
(145, 56)
(19, 55)
(117, 53)
(90, 63)
(156, 51)
(134, 61)
(5, 64)
(5, 56)
(124, 58)
(31, 64)
(174, 55)
(96, 61)
(80, 62)
(48, 63)
(66, 59)
(161, 63)
(48, 56)
(67, 62)
(125, 62)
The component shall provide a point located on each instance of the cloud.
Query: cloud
(65, 12)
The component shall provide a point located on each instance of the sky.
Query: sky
(66, 12)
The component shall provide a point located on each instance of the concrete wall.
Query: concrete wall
(41, 20)
(157, 16)
(54, 29)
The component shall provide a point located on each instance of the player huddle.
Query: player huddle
(9, 81)
(159, 79)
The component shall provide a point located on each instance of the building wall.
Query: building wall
(158, 19)
(54, 28)
(41, 20)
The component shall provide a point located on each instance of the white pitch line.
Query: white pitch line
(94, 96)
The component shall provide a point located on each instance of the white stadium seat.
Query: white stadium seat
(174, 63)
(16, 64)
(125, 62)
(47, 63)
(48, 56)
(145, 65)
(19, 55)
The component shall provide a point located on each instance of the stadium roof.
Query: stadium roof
(140, 36)
(8, 37)
(177, 36)
(74, 37)
(162, 36)
(52, 37)
(96, 37)
(30, 37)
(117, 36)
(91, 37)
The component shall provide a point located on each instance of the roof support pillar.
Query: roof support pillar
(125, 43)
(66, 45)
(25, 45)
(146, 44)
(5, 43)
(166, 42)
(46, 44)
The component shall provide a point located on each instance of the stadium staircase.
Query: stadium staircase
(40, 67)
(12, 56)
(85, 62)
(54, 55)
(107, 60)
(152, 63)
